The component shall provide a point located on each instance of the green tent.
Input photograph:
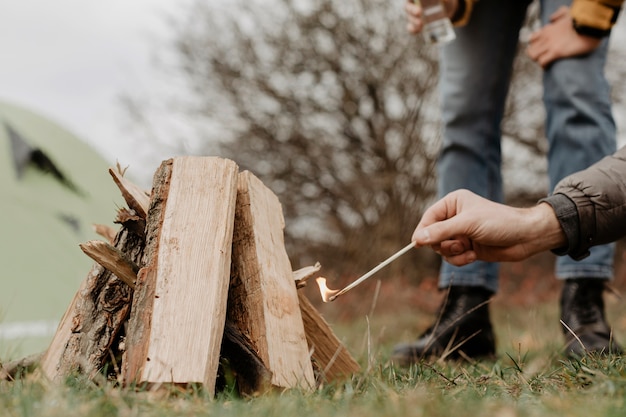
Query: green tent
(53, 187)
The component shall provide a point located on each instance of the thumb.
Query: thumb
(438, 232)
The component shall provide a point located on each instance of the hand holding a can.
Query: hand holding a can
(432, 18)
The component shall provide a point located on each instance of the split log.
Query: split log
(263, 300)
(94, 319)
(179, 308)
(332, 359)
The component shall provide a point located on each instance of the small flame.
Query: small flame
(326, 292)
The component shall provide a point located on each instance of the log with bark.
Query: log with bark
(92, 326)
(179, 309)
(263, 301)
(94, 320)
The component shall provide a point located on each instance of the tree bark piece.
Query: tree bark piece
(113, 260)
(132, 221)
(94, 318)
(136, 198)
(333, 360)
(263, 301)
(179, 308)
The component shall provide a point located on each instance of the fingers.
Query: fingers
(535, 47)
(443, 209)
(456, 251)
(455, 246)
(440, 221)
(414, 17)
(462, 259)
(560, 13)
(539, 53)
(539, 48)
(441, 233)
(553, 40)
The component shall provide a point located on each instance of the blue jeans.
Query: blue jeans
(474, 82)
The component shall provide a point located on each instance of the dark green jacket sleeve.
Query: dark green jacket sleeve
(591, 205)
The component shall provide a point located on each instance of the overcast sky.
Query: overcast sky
(71, 59)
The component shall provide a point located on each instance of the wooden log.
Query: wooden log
(263, 301)
(113, 260)
(136, 198)
(179, 308)
(94, 319)
(332, 359)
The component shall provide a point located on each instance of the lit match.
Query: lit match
(331, 295)
(326, 292)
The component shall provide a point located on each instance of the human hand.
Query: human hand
(464, 227)
(558, 39)
(415, 17)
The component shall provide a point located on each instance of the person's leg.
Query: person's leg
(475, 73)
(580, 131)
(474, 81)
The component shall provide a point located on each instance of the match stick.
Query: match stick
(373, 271)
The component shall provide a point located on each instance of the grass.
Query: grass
(507, 387)
(529, 378)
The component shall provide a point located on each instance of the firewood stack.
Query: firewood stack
(196, 277)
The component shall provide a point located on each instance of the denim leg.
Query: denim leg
(474, 81)
(580, 131)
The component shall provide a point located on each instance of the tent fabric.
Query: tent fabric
(20, 150)
(53, 188)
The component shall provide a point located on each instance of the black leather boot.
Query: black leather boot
(462, 329)
(582, 310)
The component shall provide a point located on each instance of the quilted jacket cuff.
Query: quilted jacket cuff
(567, 215)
